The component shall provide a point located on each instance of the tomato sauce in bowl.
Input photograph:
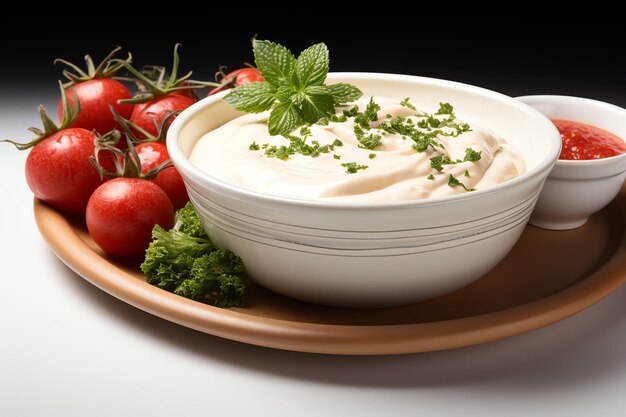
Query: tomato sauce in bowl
(582, 141)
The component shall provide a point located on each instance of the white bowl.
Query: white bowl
(577, 189)
(373, 254)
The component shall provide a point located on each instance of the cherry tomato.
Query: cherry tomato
(95, 96)
(122, 212)
(58, 169)
(151, 155)
(150, 115)
(239, 76)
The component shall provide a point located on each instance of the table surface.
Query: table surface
(69, 349)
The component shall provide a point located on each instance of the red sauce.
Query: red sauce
(582, 141)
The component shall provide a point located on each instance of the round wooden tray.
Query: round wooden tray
(547, 277)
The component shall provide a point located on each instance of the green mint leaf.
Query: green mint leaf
(275, 62)
(312, 66)
(283, 119)
(344, 93)
(317, 103)
(252, 98)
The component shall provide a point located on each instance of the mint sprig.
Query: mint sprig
(294, 89)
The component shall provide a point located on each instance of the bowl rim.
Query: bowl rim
(182, 162)
(579, 101)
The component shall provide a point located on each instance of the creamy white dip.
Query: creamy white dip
(397, 172)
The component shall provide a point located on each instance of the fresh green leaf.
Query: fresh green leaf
(430, 177)
(337, 156)
(370, 114)
(445, 108)
(312, 66)
(318, 103)
(344, 93)
(275, 62)
(353, 167)
(252, 97)
(367, 141)
(187, 221)
(471, 155)
(372, 155)
(183, 260)
(407, 103)
(283, 119)
(454, 182)
(437, 162)
(254, 146)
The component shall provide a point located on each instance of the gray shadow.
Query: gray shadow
(568, 353)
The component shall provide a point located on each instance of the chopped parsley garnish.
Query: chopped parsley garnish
(430, 177)
(353, 167)
(367, 141)
(438, 161)
(445, 108)
(305, 131)
(406, 103)
(299, 145)
(369, 115)
(372, 155)
(472, 155)
(254, 146)
(453, 182)
(467, 174)
(337, 156)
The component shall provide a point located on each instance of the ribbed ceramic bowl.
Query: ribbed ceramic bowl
(374, 254)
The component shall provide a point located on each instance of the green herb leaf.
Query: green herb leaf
(275, 62)
(406, 103)
(312, 66)
(183, 260)
(437, 162)
(353, 167)
(283, 119)
(372, 155)
(344, 93)
(445, 108)
(430, 177)
(252, 97)
(367, 141)
(337, 156)
(254, 146)
(471, 155)
(454, 182)
(317, 103)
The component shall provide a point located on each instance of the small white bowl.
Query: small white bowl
(577, 189)
(373, 254)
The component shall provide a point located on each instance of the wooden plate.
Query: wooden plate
(547, 277)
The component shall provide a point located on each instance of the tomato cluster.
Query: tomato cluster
(107, 158)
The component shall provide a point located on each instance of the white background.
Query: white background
(68, 349)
